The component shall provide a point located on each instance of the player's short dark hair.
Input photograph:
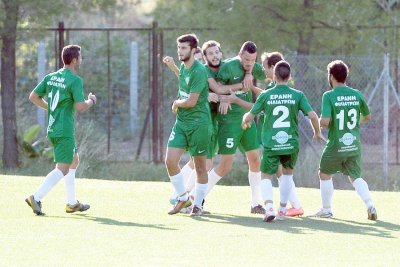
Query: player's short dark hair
(208, 44)
(249, 46)
(282, 70)
(339, 70)
(198, 50)
(190, 38)
(70, 52)
(272, 58)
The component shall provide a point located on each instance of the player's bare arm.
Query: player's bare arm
(324, 122)
(232, 98)
(83, 106)
(365, 119)
(169, 61)
(189, 102)
(316, 127)
(223, 89)
(213, 97)
(248, 81)
(247, 119)
(38, 101)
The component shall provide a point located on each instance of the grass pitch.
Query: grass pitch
(128, 225)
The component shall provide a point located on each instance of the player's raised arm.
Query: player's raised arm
(85, 105)
(169, 61)
(316, 127)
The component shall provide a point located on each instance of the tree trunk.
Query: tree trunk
(306, 34)
(8, 84)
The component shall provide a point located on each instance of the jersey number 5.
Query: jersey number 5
(280, 122)
(352, 114)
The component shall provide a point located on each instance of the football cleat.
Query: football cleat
(257, 209)
(35, 205)
(77, 207)
(269, 215)
(196, 211)
(281, 214)
(294, 212)
(322, 214)
(181, 204)
(372, 215)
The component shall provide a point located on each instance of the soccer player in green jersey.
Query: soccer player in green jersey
(230, 133)
(191, 130)
(64, 92)
(343, 109)
(213, 58)
(269, 61)
(280, 137)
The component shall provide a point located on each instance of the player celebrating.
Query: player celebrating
(269, 61)
(230, 133)
(191, 128)
(343, 108)
(280, 137)
(64, 90)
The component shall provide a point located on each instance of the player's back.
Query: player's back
(344, 105)
(281, 106)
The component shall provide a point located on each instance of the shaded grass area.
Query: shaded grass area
(128, 225)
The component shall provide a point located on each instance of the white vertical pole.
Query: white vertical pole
(133, 91)
(41, 66)
(385, 120)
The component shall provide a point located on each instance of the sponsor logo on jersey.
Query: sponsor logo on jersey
(281, 137)
(347, 139)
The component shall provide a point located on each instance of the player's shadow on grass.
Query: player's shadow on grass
(108, 221)
(303, 225)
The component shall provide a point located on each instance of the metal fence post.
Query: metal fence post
(155, 93)
(60, 43)
(385, 119)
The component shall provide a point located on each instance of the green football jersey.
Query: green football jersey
(211, 74)
(232, 72)
(281, 106)
(343, 105)
(194, 80)
(62, 88)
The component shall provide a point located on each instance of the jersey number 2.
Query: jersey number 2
(280, 122)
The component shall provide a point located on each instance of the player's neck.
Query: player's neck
(71, 68)
(189, 63)
(338, 85)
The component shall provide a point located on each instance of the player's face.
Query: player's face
(269, 70)
(213, 56)
(248, 60)
(184, 51)
(198, 56)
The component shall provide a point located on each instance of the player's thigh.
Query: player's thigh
(177, 138)
(269, 163)
(289, 161)
(64, 149)
(199, 140)
(249, 138)
(330, 164)
(352, 167)
(229, 136)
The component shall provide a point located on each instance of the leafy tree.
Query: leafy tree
(26, 14)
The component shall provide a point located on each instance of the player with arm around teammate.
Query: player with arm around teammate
(343, 108)
(280, 137)
(64, 92)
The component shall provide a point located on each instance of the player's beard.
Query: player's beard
(209, 63)
(185, 58)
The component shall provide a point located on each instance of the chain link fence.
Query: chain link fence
(106, 71)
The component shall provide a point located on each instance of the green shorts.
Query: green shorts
(231, 136)
(193, 138)
(270, 163)
(350, 166)
(213, 145)
(64, 149)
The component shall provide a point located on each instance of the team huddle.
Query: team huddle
(215, 114)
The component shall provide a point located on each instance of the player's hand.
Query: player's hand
(224, 107)
(246, 125)
(231, 98)
(212, 97)
(169, 61)
(320, 138)
(247, 82)
(92, 97)
(174, 107)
